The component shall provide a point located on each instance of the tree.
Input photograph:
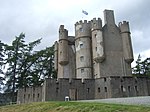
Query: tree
(18, 60)
(27, 67)
(142, 68)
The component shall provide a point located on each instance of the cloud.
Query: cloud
(41, 19)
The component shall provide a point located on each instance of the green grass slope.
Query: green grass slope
(72, 107)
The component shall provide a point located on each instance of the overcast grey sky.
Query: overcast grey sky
(41, 19)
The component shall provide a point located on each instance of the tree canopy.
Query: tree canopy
(25, 67)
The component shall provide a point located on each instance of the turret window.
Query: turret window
(81, 58)
(81, 29)
(81, 45)
(82, 70)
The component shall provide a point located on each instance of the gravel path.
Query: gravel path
(145, 100)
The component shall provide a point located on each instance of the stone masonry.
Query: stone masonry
(93, 64)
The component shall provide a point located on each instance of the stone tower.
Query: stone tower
(83, 50)
(127, 46)
(96, 50)
(66, 55)
(97, 45)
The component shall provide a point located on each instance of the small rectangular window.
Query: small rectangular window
(105, 89)
(96, 48)
(81, 45)
(81, 29)
(33, 96)
(81, 58)
(129, 88)
(57, 89)
(105, 79)
(88, 90)
(28, 96)
(82, 70)
(38, 95)
(136, 89)
(99, 90)
(121, 88)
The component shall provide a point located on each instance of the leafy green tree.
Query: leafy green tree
(18, 60)
(27, 67)
(142, 68)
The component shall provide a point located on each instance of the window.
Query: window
(81, 45)
(38, 95)
(136, 89)
(105, 89)
(28, 96)
(33, 96)
(121, 80)
(96, 48)
(60, 52)
(129, 88)
(81, 58)
(99, 90)
(57, 90)
(88, 90)
(104, 79)
(121, 88)
(82, 70)
(95, 35)
(81, 29)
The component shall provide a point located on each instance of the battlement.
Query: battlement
(124, 26)
(82, 22)
(96, 24)
(63, 33)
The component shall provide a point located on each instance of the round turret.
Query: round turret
(126, 40)
(82, 29)
(83, 50)
(97, 40)
(63, 46)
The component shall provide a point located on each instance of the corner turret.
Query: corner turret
(63, 46)
(97, 40)
(126, 40)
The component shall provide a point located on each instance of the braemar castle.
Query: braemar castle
(93, 64)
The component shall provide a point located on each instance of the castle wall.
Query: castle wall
(76, 89)
(87, 89)
(129, 86)
(29, 94)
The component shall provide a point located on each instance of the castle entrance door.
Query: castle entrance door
(73, 94)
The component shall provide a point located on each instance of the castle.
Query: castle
(93, 64)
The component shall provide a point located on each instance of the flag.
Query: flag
(84, 12)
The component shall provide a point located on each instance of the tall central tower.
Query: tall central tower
(83, 50)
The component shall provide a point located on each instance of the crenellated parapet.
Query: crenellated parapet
(124, 27)
(96, 24)
(82, 29)
(63, 33)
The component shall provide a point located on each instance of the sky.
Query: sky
(42, 18)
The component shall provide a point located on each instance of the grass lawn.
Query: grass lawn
(72, 107)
